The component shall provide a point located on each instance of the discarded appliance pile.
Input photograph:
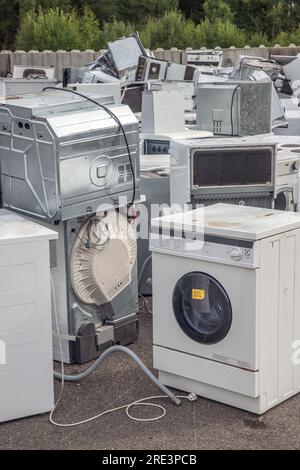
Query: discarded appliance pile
(81, 159)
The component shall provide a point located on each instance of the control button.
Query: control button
(101, 171)
(236, 254)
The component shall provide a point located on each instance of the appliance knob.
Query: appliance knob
(236, 254)
(295, 166)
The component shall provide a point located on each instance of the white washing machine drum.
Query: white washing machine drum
(102, 258)
(202, 308)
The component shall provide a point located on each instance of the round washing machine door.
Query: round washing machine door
(202, 308)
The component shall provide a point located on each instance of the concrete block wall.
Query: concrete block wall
(75, 58)
(58, 59)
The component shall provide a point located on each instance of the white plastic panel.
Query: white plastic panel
(25, 326)
(212, 373)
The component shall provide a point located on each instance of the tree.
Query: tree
(12, 11)
(192, 9)
(89, 30)
(56, 29)
(172, 30)
(217, 10)
(135, 11)
(252, 15)
(284, 16)
(28, 5)
(9, 20)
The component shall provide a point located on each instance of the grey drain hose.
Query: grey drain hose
(108, 352)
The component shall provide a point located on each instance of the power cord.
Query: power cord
(116, 119)
(145, 305)
(231, 109)
(127, 408)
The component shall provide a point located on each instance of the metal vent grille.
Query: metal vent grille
(217, 127)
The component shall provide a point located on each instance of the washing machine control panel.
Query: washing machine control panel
(236, 254)
(239, 253)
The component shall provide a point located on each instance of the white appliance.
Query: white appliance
(237, 170)
(181, 72)
(11, 86)
(26, 368)
(151, 69)
(208, 57)
(188, 88)
(98, 76)
(287, 176)
(235, 108)
(33, 71)
(226, 308)
(278, 113)
(163, 111)
(108, 90)
(159, 144)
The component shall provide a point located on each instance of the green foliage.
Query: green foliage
(56, 29)
(35, 5)
(217, 10)
(285, 39)
(285, 16)
(89, 30)
(85, 24)
(172, 30)
(114, 30)
(257, 39)
(134, 11)
(219, 33)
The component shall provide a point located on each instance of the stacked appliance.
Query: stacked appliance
(287, 169)
(150, 68)
(235, 108)
(155, 185)
(205, 57)
(226, 299)
(163, 119)
(233, 170)
(27, 80)
(65, 162)
(287, 177)
(188, 88)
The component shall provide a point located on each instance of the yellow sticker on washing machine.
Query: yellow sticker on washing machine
(198, 294)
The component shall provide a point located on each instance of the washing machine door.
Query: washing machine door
(202, 308)
(285, 200)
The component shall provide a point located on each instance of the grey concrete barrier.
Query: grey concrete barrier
(61, 59)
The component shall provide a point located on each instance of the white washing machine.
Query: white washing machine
(226, 305)
(287, 177)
